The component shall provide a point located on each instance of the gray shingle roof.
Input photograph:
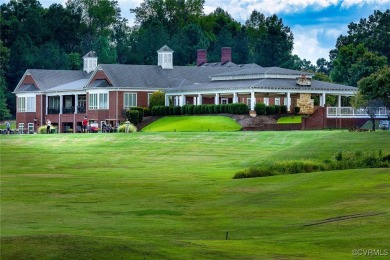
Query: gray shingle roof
(271, 83)
(165, 49)
(262, 71)
(90, 54)
(27, 88)
(47, 79)
(153, 76)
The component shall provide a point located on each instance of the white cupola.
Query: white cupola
(90, 61)
(165, 57)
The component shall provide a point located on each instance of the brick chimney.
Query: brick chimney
(226, 55)
(201, 57)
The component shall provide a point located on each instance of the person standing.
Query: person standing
(8, 127)
(85, 124)
(48, 125)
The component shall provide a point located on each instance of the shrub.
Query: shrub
(177, 110)
(147, 111)
(141, 113)
(296, 110)
(270, 110)
(260, 108)
(190, 109)
(277, 109)
(183, 109)
(122, 128)
(157, 99)
(166, 111)
(283, 109)
(132, 116)
(217, 109)
(158, 111)
(210, 109)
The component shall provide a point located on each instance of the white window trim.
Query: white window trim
(149, 95)
(266, 101)
(26, 107)
(226, 100)
(277, 101)
(98, 92)
(124, 99)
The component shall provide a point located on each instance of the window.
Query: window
(98, 101)
(93, 101)
(277, 101)
(224, 100)
(21, 104)
(149, 96)
(103, 101)
(26, 104)
(285, 102)
(266, 101)
(130, 100)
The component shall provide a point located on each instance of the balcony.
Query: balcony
(52, 111)
(68, 110)
(81, 110)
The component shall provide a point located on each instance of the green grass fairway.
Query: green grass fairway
(193, 124)
(290, 120)
(171, 196)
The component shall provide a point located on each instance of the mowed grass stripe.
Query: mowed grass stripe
(193, 124)
(172, 196)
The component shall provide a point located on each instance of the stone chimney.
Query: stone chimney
(90, 61)
(226, 55)
(201, 57)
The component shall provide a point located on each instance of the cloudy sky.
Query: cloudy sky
(316, 24)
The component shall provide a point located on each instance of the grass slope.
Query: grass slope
(172, 196)
(193, 124)
(290, 120)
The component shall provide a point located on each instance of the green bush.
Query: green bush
(166, 111)
(260, 108)
(277, 109)
(296, 110)
(132, 116)
(183, 110)
(283, 109)
(217, 109)
(224, 108)
(158, 111)
(210, 109)
(339, 161)
(141, 113)
(42, 129)
(122, 128)
(270, 110)
(177, 110)
(147, 111)
(157, 99)
(190, 109)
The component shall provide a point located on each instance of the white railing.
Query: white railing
(350, 112)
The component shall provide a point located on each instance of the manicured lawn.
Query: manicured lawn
(172, 196)
(290, 120)
(193, 124)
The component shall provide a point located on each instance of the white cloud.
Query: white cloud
(350, 3)
(307, 43)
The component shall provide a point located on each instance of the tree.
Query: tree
(377, 86)
(270, 41)
(323, 66)
(4, 110)
(157, 99)
(354, 63)
(372, 32)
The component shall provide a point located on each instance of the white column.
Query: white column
(339, 101)
(76, 101)
(182, 100)
(166, 100)
(235, 97)
(194, 101)
(216, 98)
(288, 101)
(200, 99)
(47, 106)
(61, 103)
(323, 99)
(253, 100)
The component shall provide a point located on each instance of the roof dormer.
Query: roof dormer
(90, 61)
(165, 57)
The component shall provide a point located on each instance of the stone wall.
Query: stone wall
(306, 104)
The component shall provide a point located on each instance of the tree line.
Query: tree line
(58, 36)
